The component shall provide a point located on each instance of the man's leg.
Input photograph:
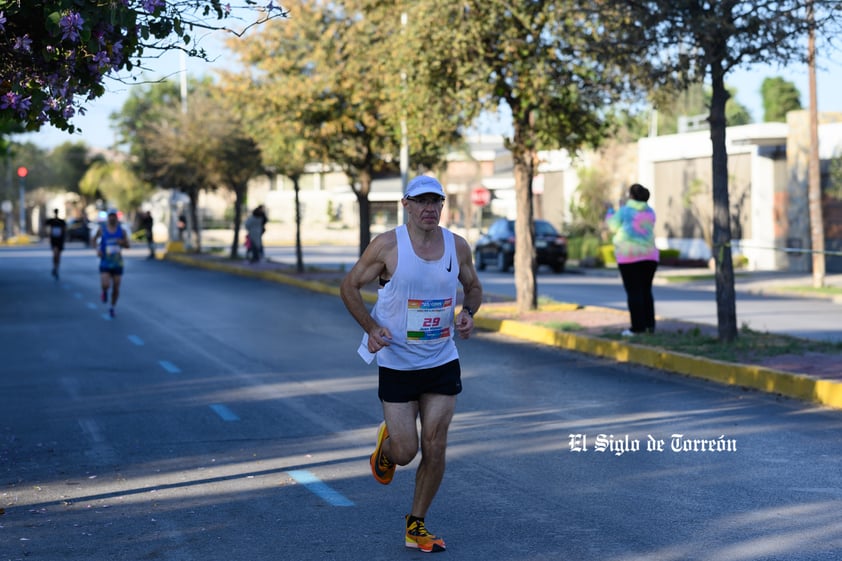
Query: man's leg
(115, 294)
(436, 413)
(401, 446)
(105, 282)
(56, 258)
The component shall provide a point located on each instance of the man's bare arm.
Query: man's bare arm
(370, 266)
(471, 288)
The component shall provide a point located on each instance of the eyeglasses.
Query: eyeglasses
(426, 201)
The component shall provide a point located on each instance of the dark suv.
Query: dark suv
(498, 246)
(78, 230)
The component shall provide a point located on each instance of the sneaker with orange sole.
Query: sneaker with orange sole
(417, 537)
(382, 469)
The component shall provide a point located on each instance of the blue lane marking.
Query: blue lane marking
(106, 316)
(136, 340)
(169, 367)
(224, 413)
(320, 488)
(92, 306)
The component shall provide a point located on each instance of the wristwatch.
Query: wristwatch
(467, 309)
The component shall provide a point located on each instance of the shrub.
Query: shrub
(670, 255)
(582, 247)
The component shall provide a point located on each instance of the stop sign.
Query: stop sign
(480, 196)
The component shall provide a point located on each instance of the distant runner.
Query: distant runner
(110, 240)
(57, 230)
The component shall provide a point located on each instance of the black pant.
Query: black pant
(637, 280)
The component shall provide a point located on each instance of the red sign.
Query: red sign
(480, 196)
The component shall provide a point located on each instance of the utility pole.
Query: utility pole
(814, 168)
(404, 155)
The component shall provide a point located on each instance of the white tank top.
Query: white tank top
(417, 306)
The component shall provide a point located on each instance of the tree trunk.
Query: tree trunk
(525, 262)
(193, 194)
(239, 201)
(726, 306)
(299, 256)
(815, 181)
(365, 210)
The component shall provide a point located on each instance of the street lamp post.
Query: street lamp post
(22, 171)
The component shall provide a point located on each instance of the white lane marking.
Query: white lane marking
(320, 488)
(100, 451)
(91, 306)
(136, 340)
(224, 413)
(169, 367)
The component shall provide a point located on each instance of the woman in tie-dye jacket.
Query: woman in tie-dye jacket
(633, 227)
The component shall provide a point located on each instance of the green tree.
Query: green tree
(276, 104)
(173, 158)
(332, 73)
(153, 125)
(231, 156)
(117, 184)
(721, 36)
(780, 96)
(533, 57)
(204, 147)
(695, 100)
(589, 205)
(68, 163)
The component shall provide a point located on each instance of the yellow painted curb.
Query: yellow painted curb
(798, 386)
(174, 247)
(273, 276)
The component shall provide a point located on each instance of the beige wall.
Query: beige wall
(683, 197)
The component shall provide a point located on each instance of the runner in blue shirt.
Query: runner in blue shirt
(110, 240)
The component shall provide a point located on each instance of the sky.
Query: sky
(96, 128)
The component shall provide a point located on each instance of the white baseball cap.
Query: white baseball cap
(424, 184)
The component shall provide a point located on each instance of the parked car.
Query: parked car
(78, 230)
(498, 246)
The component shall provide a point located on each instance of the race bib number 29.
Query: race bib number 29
(428, 320)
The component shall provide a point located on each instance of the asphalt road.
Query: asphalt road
(691, 301)
(220, 418)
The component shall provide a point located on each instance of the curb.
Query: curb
(769, 380)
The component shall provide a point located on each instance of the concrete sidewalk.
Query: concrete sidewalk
(824, 388)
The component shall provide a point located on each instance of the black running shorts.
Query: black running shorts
(403, 386)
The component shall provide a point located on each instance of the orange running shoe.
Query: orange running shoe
(417, 537)
(382, 469)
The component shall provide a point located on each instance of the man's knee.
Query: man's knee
(402, 451)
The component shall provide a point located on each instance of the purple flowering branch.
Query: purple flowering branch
(50, 66)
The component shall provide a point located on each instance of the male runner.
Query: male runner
(57, 230)
(410, 331)
(110, 240)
